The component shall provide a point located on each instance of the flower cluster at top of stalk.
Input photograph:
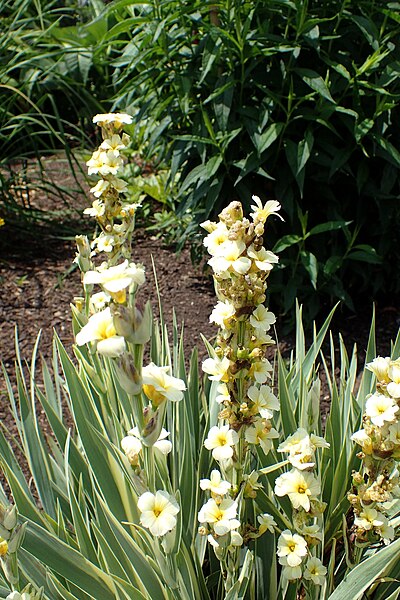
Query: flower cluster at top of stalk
(241, 266)
(297, 549)
(116, 325)
(376, 484)
(113, 213)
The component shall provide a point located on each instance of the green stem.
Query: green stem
(150, 468)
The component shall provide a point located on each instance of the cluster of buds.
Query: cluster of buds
(241, 266)
(115, 325)
(11, 538)
(303, 488)
(376, 485)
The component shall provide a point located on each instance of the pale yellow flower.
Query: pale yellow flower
(158, 512)
(393, 387)
(380, 366)
(262, 212)
(116, 119)
(97, 209)
(265, 402)
(209, 226)
(262, 318)
(217, 368)
(229, 258)
(217, 236)
(159, 386)
(129, 209)
(301, 448)
(105, 242)
(362, 439)
(261, 370)
(381, 409)
(101, 186)
(315, 571)
(386, 532)
(222, 516)
(267, 523)
(221, 441)
(300, 486)
(115, 143)
(369, 518)
(291, 548)
(263, 259)
(99, 301)
(100, 329)
(131, 444)
(223, 394)
(261, 434)
(288, 572)
(222, 312)
(215, 484)
(115, 280)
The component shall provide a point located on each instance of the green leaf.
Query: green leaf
(365, 574)
(310, 264)
(304, 150)
(315, 82)
(328, 226)
(268, 137)
(286, 241)
(68, 563)
(365, 253)
(391, 151)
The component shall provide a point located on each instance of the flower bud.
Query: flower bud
(142, 324)
(79, 303)
(10, 518)
(233, 212)
(151, 431)
(17, 538)
(83, 256)
(123, 320)
(3, 547)
(131, 447)
(128, 376)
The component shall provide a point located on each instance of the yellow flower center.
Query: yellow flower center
(156, 397)
(221, 439)
(119, 297)
(106, 330)
(3, 547)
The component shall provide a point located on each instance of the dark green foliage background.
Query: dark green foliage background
(296, 101)
(291, 100)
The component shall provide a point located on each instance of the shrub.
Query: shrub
(290, 100)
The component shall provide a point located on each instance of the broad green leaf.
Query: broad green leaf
(268, 137)
(364, 253)
(310, 264)
(67, 562)
(286, 241)
(315, 82)
(365, 574)
(329, 226)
